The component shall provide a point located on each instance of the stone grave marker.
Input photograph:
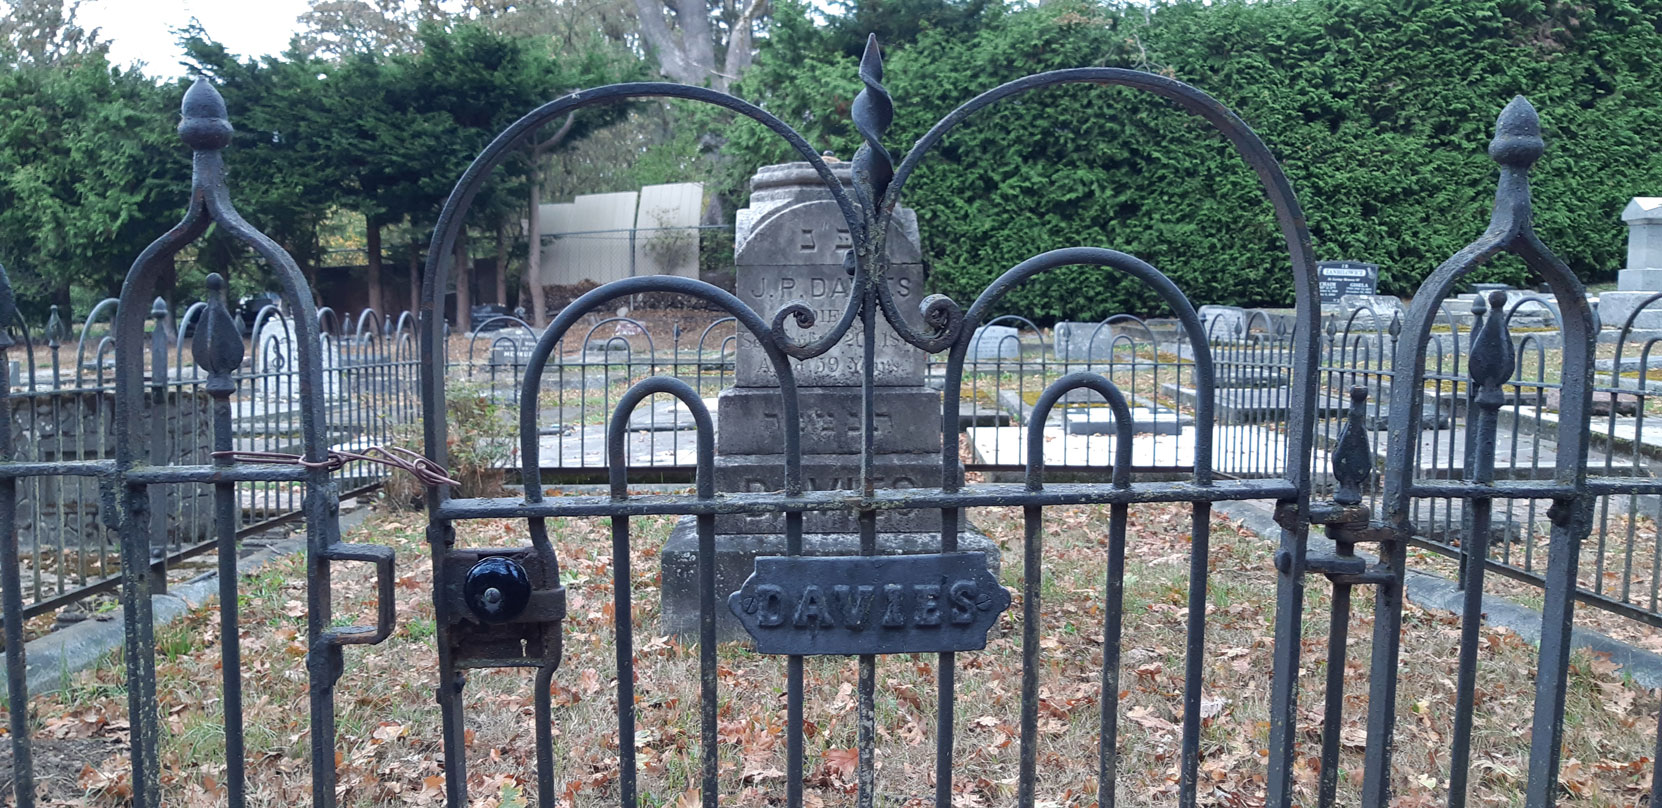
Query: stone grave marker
(1642, 277)
(994, 343)
(1336, 279)
(789, 245)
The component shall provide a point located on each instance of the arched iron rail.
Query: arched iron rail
(1516, 146)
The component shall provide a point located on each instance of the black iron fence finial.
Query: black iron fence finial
(1493, 358)
(1352, 458)
(873, 112)
(204, 125)
(1517, 143)
(56, 332)
(217, 345)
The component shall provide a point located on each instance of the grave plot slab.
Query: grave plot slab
(1100, 421)
(586, 448)
(665, 415)
(1244, 406)
(1249, 449)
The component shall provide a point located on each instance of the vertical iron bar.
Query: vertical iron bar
(1113, 618)
(1031, 572)
(11, 586)
(1334, 709)
(1193, 660)
(625, 661)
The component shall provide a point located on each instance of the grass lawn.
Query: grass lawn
(389, 751)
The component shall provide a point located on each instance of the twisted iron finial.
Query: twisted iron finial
(1352, 459)
(217, 344)
(1492, 360)
(873, 113)
(204, 125)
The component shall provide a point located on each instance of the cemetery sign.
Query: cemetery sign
(1336, 279)
(926, 603)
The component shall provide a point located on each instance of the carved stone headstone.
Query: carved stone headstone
(790, 245)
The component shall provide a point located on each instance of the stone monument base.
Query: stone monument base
(736, 559)
(1616, 307)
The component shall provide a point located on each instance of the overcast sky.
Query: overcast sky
(142, 30)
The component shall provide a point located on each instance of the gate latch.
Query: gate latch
(505, 607)
(1347, 520)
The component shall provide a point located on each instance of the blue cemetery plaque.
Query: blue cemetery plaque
(1335, 279)
(870, 604)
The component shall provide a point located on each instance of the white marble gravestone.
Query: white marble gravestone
(1642, 277)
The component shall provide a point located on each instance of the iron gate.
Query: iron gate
(472, 585)
(500, 608)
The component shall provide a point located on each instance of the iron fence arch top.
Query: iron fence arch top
(1125, 263)
(1516, 146)
(451, 217)
(108, 304)
(743, 315)
(205, 128)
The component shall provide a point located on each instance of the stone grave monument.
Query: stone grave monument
(1642, 276)
(789, 245)
(1349, 291)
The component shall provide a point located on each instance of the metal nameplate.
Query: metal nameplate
(903, 604)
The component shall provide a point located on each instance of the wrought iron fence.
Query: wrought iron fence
(1013, 360)
(62, 390)
(504, 607)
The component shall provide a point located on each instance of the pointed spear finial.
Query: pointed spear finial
(1352, 460)
(873, 112)
(217, 344)
(1492, 360)
(204, 125)
(56, 332)
(1517, 142)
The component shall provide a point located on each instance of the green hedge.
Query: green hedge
(1379, 111)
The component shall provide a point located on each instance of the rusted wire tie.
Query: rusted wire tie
(424, 470)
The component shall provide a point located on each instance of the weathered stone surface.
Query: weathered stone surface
(821, 472)
(1616, 307)
(790, 243)
(826, 288)
(777, 196)
(992, 343)
(1100, 421)
(736, 556)
(1603, 402)
(1078, 341)
(1222, 322)
(1368, 312)
(1639, 279)
(750, 420)
(1643, 216)
(1247, 376)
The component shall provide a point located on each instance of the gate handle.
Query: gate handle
(382, 556)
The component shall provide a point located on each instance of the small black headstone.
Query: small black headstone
(1335, 279)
